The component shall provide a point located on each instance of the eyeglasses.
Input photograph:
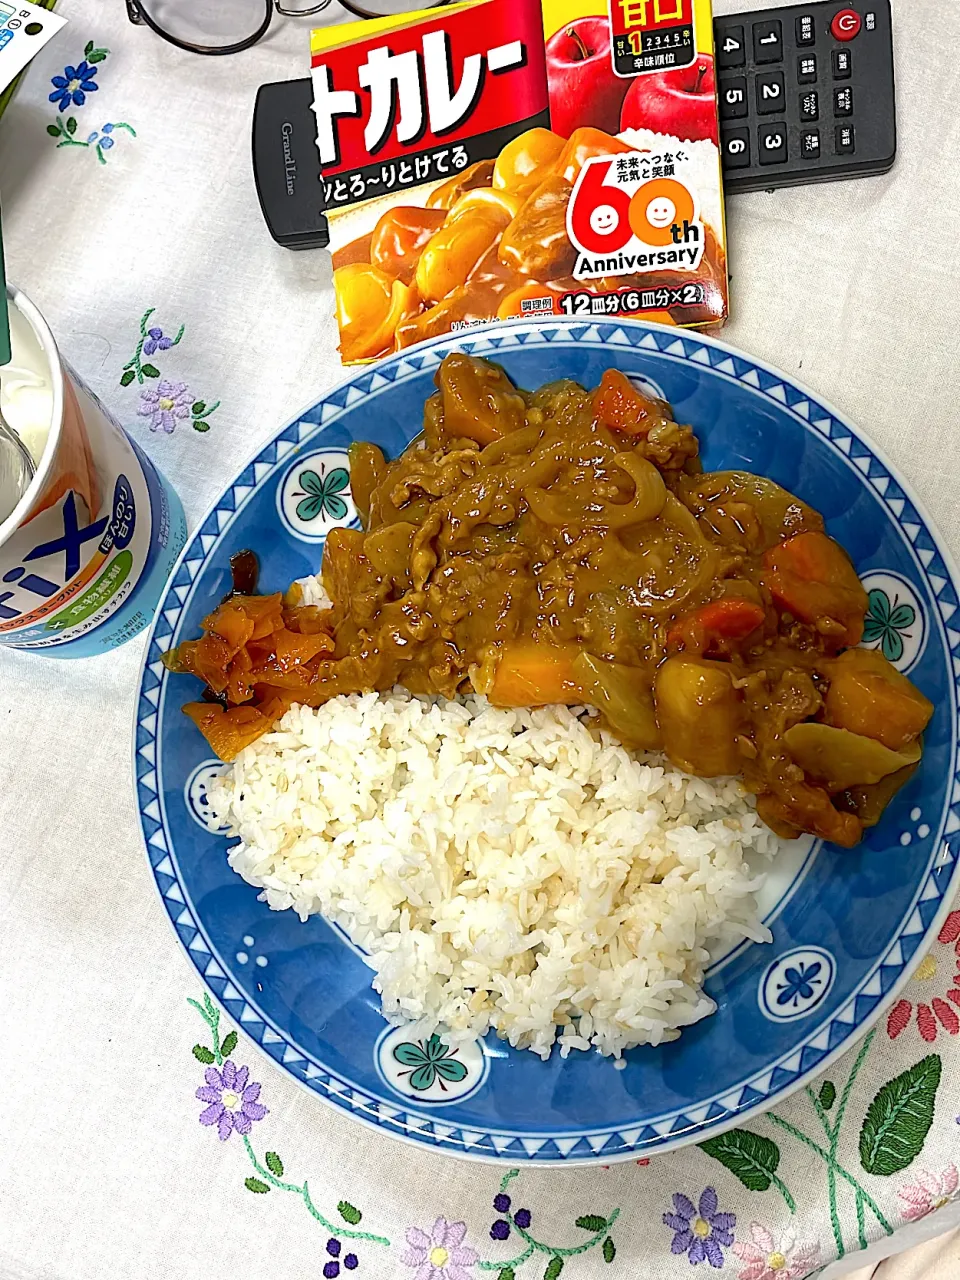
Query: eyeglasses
(230, 26)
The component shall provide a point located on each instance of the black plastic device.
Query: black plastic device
(806, 94)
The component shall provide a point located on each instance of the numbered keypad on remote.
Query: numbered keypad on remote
(805, 94)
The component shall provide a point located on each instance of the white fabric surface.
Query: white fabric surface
(104, 1170)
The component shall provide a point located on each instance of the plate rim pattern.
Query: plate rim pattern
(875, 993)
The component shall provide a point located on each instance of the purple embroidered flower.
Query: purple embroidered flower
(156, 339)
(701, 1233)
(439, 1254)
(331, 1269)
(73, 85)
(232, 1101)
(166, 405)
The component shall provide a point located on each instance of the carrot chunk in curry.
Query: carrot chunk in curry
(563, 545)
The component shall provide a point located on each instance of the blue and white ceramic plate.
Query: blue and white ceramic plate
(847, 925)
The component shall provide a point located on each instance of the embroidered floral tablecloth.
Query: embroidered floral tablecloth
(143, 1135)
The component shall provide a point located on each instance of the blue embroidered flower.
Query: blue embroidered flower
(156, 339)
(74, 85)
(800, 983)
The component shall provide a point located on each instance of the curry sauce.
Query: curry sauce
(564, 545)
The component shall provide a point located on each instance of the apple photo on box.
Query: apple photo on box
(581, 84)
(584, 90)
(681, 103)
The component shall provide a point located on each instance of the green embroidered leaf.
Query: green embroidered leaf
(507, 1273)
(198, 406)
(338, 479)
(309, 508)
(899, 1118)
(198, 424)
(336, 506)
(203, 1054)
(98, 55)
(591, 1222)
(450, 1070)
(878, 605)
(411, 1055)
(71, 126)
(53, 130)
(903, 616)
(150, 371)
(609, 1250)
(748, 1156)
(229, 1044)
(423, 1077)
(554, 1267)
(254, 1184)
(274, 1164)
(310, 482)
(127, 377)
(88, 49)
(828, 1094)
(348, 1213)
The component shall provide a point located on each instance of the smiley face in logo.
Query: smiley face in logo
(604, 219)
(661, 212)
(658, 206)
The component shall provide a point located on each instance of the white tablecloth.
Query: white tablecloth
(104, 1169)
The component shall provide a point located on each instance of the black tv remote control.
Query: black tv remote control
(806, 94)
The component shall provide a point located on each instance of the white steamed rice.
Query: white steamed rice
(508, 869)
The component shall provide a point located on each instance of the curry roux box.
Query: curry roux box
(501, 158)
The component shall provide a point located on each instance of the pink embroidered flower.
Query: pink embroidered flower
(165, 405)
(938, 1013)
(928, 1192)
(439, 1254)
(765, 1259)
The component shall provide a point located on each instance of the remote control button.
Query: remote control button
(773, 143)
(810, 144)
(768, 41)
(846, 25)
(733, 99)
(731, 48)
(806, 30)
(771, 93)
(871, 22)
(735, 145)
(842, 64)
(843, 101)
(807, 68)
(809, 106)
(846, 140)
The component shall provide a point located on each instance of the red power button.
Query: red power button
(846, 25)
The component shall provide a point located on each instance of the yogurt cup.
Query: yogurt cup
(86, 552)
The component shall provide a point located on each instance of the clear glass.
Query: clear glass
(222, 26)
(209, 23)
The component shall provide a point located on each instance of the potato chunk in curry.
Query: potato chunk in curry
(564, 545)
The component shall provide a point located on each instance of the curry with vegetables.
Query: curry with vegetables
(564, 545)
(491, 243)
